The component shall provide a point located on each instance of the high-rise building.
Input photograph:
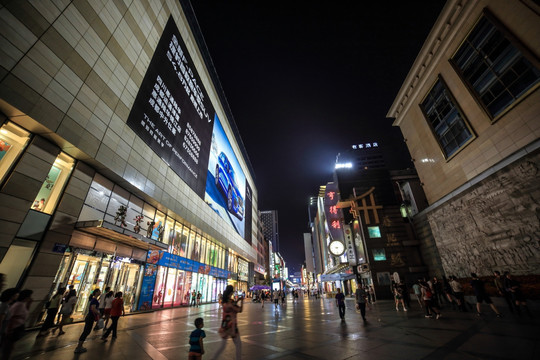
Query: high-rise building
(269, 219)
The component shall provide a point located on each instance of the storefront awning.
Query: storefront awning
(337, 269)
(118, 234)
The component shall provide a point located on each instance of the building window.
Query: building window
(374, 232)
(13, 140)
(379, 255)
(446, 120)
(52, 187)
(493, 67)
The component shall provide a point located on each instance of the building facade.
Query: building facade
(120, 163)
(469, 110)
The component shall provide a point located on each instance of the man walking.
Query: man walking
(361, 296)
(481, 295)
(340, 302)
(501, 289)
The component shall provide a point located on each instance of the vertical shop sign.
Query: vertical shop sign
(349, 245)
(334, 215)
(147, 288)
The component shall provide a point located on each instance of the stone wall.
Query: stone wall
(495, 225)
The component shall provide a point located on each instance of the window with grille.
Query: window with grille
(494, 67)
(446, 120)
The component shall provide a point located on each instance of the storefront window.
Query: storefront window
(196, 251)
(190, 244)
(175, 239)
(169, 229)
(179, 293)
(159, 290)
(203, 250)
(158, 227)
(147, 224)
(52, 187)
(184, 243)
(134, 217)
(13, 140)
(16, 260)
(170, 288)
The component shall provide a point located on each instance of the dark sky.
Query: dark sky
(305, 80)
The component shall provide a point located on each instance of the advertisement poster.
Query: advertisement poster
(172, 112)
(225, 181)
(147, 287)
(46, 189)
(4, 148)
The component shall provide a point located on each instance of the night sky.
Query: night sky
(307, 79)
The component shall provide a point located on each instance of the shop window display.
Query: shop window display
(169, 229)
(51, 189)
(13, 140)
(184, 242)
(158, 227)
(159, 289)
(16, 260)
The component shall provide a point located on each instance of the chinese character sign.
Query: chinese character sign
(334, 215)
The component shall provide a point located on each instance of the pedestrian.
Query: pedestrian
(18, 313)
(340, 303)
(263, 296)
(457, 289)
(8, 297)
(437, 291)
(481, 295)
(220, 298)
(514, 287)
(93, 315)
(371, 293)
(199, 296)
(52, 309)
(427, 296)
(196, 346)
(102, 306)
(501, 289)
(295, 296)
(448, 293)
(109, 298)
(418, 292)
(398, 297)
(283, 297)
(229, 327)
(68, 306)
(276, 299)
(361, 296)
(193, 298)
(405, 293)
(117, 310)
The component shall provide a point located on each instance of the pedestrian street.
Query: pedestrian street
(310, 329)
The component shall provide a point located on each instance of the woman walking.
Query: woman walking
(67, 309)
(52, 309)
(16, 323)
(109, 298)
(93, 315)
(117, 310)
(229, 326)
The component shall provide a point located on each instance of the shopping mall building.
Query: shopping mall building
(120, 163)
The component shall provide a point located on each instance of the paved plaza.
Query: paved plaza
(310, 329)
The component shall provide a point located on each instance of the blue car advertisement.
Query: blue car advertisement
(225, 181)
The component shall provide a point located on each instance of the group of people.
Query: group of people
(196, 298)
(431, 294)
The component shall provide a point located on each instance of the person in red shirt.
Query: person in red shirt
(117, 310)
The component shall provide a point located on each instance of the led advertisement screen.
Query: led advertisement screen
(225, 181)
(172, 112)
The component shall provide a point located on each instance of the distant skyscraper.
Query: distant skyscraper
(270, 222)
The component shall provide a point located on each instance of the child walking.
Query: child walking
(196, 349)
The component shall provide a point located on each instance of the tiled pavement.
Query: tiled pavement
(310, 329)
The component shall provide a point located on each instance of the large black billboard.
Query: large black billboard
(172, 112)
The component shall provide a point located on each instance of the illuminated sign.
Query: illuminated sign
(172, 112)
(374, 232)
(365, 146)
(344, 166)
(334, 215)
